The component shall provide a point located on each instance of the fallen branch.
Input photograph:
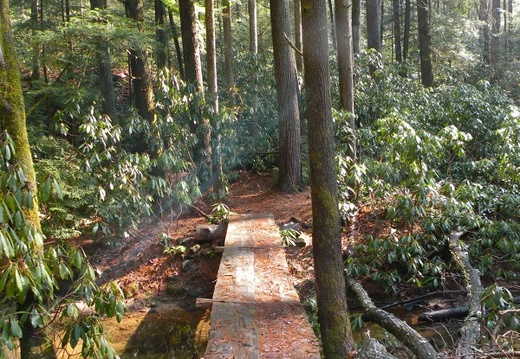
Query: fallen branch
(470, 331)
(443, 314)
(402, 331)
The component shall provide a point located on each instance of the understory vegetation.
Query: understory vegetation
(430, 161)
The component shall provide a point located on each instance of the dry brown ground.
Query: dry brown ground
(143, 270)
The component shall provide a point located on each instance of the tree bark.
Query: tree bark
(495, 32)
(228, 50)
(406, 35)
(178, 50)
(328, 264)
(35, 75)
(161, 51)
(346, 67)
(298, 34)
(211, 63)
(483, 16)
(202, 153)
(253, 48)
(397, 30)
(373, 17)
(104, 72)
(141, 82)
(356, 25)
(190, 43)
(425, 41)
(287, 97)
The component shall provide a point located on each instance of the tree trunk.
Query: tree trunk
(373, 15)
(406, 35)
(425, 41)
(33, 344)
(253, 48)
(228, 50)
(397, 30)
(356, 25)
(298, 34)
(35, 75)
(211, 63)
(178, 50)
(328, 264)
(495, 32)
(193, 70)
(483, 16)
(141, 82)
(104, 73)
(190, 43)
(160, 34)
(346, 67)
(287, 97)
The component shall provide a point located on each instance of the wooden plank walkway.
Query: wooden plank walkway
(256, 311)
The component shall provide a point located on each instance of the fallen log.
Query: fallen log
(470, 331)
(443, 314)
(402, 331)
(209, 232)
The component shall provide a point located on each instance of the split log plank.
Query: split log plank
(256, 311)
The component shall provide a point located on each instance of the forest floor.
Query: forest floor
(150, 277)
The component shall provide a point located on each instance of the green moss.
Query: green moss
(12, 109)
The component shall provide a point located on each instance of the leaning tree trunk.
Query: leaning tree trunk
(177, 44)
(287, 97)
(161, 35)
(33, 344)
(402, 331)
(328, 263)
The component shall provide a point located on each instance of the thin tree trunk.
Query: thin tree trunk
(483, 15)
(397, 30)
(495, 32)
(298, 34)
(211, 60)
(228, 50)
(160, 34)
(425, 51)
(35, 75)
(287, 98)
(253, 48)
(356, 25)
(346, 67)
(407, 23)
(328, 264)
(141, 81)
(177, 44)
(104, 73)
(333, 27)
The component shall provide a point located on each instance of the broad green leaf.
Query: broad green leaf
(57, 188)
(15, 328)
(36, 318)
(4, 277)
(46, 190)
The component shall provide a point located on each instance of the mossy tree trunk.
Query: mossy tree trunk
(326, 239)
(33, 344)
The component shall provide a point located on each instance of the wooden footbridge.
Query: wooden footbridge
(256, 312)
